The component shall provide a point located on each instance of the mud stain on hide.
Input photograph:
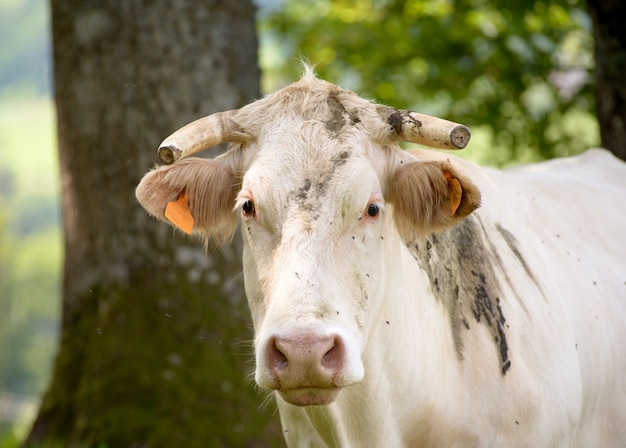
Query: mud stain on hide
(513, 244)
(303, 191)
(313, 188)
(399, 118)
(461, 271)
(302, 196)
(337, 120)
(339, 115)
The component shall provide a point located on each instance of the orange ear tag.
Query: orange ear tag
(455, 192)
(178, 214)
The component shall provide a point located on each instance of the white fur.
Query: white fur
(316, 263)
(566, 334)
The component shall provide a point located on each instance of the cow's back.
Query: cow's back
(569, 216)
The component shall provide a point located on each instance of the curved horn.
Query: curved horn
(197, 135)
(429, 131)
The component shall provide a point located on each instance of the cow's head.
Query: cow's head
(318, 180)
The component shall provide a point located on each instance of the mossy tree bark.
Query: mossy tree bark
(154, 348)
(610, 55)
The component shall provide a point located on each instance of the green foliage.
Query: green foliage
(519, 72)
(4, 284)
(8, 440)
(30, 254)
(25, 54)
(34, 296)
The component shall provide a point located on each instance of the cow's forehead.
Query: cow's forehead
(314, 142)
(308, 169)
(311, 127)
(308, 147)
(310, 99)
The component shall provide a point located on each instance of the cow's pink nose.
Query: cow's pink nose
(305, 361)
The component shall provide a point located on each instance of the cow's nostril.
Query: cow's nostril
(275, 357)
(333, 359)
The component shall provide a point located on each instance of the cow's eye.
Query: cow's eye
(248, 208)
(373, 210)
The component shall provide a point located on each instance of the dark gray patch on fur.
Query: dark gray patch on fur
(395, 120)
(461, 271)
(304, 198)
(341, 159)
(511, 241)
(304, 190)
(338, 112)
(308, 195)
(339, 116)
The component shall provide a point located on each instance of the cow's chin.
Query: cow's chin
(310, 396)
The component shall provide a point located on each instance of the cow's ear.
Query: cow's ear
(429, 196)
(195, 195)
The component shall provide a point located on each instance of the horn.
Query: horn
(430, 131)
(198, 135)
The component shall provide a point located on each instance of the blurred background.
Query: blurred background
(30, 233)
(519, 73)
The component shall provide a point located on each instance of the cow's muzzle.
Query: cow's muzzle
(306, 368)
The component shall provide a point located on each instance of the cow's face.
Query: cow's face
(312, 213)
(315, 182)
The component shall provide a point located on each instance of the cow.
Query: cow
(406, 298)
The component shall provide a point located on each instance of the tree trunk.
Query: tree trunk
(610, 55)
(154, 348)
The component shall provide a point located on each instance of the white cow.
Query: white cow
(389, 310)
